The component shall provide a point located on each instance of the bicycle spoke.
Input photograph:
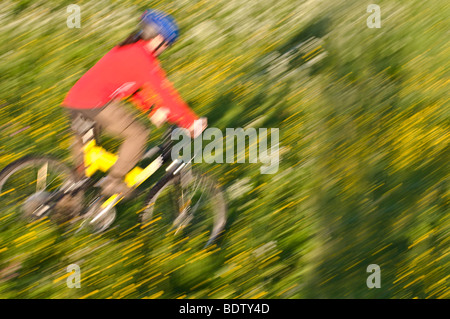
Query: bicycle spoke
(41, 182)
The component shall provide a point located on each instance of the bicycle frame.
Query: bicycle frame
(96, 158)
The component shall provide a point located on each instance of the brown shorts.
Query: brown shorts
(115, 120)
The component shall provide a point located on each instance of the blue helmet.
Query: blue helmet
(164, 24)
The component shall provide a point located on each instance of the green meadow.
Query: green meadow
(363, 178)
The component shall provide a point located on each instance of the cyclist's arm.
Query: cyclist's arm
(167, 104)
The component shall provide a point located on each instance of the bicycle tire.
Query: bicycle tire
(187, 176)
(30, 161)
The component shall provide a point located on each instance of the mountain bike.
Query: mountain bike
(39, 186)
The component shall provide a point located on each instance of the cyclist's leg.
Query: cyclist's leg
(116, 120)
(77, 155)
(77, 116)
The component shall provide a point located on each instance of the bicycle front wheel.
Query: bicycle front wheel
(193, 206)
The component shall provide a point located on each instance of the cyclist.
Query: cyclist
(130, 70)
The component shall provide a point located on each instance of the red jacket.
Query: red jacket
(127, 71)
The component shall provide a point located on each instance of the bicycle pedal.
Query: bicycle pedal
(72, 186)
(98, 218)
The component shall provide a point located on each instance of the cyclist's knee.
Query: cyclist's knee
(137, 132)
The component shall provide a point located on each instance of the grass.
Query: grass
(363, 176)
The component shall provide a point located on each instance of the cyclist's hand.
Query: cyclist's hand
(198, 127)
(159, 117)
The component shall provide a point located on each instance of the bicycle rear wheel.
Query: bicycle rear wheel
(28, 182)
(191, 206)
